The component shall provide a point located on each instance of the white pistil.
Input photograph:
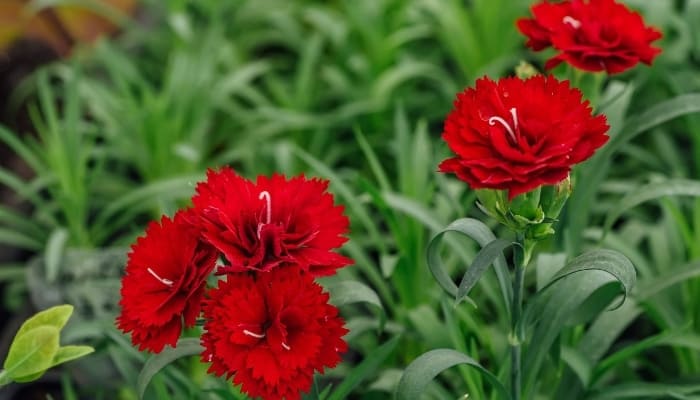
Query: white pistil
(571, 21)
(286, 346)
(253, 334)
(166, 282)
(268, 209)
(506, 125)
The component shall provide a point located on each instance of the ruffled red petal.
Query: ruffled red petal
(270, 331)
(517, 135)
(594, 35)
(272, 222)
(164, 282)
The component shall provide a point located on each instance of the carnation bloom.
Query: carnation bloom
(270, 331)
(594, 35)
(274, 221)
(164, 283)
(517, 135)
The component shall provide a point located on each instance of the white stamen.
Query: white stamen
(265, 195)
(571, 21)
(514, 114)
(511, 132)
(253, 334)
(166, 282)
(211, 357)
(286, 346)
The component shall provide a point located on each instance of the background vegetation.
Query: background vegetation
(356, 92)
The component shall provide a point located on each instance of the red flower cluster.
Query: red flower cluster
(517, 135)
(594, 35)
(274, 330)
(267, 325)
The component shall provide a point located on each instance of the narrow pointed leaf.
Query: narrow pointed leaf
(349, 292)
(185, 347)
(425, 368)
(369, 367)
(486, 256)
(652, 191)
(564, 300)
(68, 353)
(479, 232)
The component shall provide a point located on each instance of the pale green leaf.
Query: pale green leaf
(31, 352)
(56, 317)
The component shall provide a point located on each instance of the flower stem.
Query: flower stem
(517, 309)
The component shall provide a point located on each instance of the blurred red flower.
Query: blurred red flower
(270, 331)
(517, 135)
(164, 283)
(594, 35)
(272, 222)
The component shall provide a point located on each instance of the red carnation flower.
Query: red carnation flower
(517, 135)
(164, 283)
(270, 331)
(274, 221)
(598, 35)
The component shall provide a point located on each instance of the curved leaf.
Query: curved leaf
(349, 292)
(651, 191)
(426, 367)
(185, 347)
(486, 256)
(562, 299)
(610, 261)
(481, 233)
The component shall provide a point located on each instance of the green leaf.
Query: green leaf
(349, 292)
(54, 253)
(425, 368)
(651, 191)
(56, 317)
(669, 338)
(644, 390)
(478, 231)
(31, 352)
(609, 261)
(579, 363)
(546, 267)
(564, 300)
(486, 256)
(367, 368)
(597, 167)
(68, 353)
(185, 347)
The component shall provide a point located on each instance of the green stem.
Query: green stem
(517, 309)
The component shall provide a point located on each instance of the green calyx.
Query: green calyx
(530, 214)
